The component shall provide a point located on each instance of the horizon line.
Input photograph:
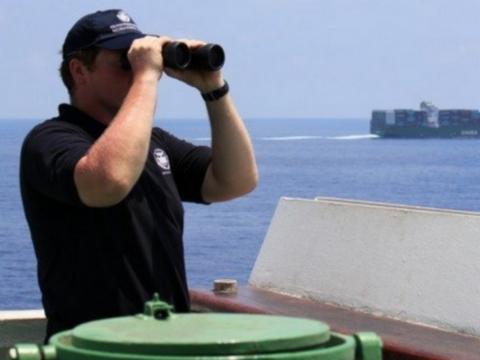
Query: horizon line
(205, 118)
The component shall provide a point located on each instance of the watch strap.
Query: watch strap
(217, 93)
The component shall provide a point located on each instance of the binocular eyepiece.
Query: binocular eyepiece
(177, 55)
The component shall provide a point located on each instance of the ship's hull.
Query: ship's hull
(445, 132)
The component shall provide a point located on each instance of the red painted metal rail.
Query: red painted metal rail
(402, 340)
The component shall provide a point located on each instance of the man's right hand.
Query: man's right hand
(145, 56)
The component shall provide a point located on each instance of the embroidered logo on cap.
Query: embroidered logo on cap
(161, 158)
(123, 16)
(126, 23)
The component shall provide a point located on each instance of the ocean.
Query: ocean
(296, 158)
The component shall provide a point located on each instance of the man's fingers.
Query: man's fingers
(150, 41)
(145, 54)
(163, 40)
(172, 73)
(191, 43)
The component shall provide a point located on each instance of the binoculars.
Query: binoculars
(177, 55)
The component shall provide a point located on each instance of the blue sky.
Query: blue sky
(285, 58)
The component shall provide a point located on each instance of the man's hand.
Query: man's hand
(203, 80)
(145, 56)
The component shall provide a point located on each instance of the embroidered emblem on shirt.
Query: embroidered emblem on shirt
(161, 158)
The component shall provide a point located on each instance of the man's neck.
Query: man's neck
(94, 111)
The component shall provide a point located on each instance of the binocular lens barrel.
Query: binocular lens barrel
(208, 57)
(177, 55)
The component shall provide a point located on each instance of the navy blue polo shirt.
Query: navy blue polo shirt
(95, 263)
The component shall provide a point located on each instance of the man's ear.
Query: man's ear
(78, 71)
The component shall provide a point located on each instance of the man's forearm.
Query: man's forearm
(233, 171)
(115, 161)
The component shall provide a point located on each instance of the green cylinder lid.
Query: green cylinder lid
(159, 332)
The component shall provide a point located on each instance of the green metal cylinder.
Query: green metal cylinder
(159, 334)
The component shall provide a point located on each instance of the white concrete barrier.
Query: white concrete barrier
(21, 314)
(412, 263)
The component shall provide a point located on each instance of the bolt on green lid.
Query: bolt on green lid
(159, 332)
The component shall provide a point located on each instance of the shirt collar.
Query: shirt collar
(71, 114)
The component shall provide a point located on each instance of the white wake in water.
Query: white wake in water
(306, 137)
(309, 137)
(288, 138)
(354, 137)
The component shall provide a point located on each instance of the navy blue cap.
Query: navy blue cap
(108, 29)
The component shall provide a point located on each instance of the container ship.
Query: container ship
(428, 122)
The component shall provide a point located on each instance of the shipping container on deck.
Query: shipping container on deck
(390, 117)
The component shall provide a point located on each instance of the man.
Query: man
(103, 191)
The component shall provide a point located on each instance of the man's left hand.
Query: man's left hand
(204, 80)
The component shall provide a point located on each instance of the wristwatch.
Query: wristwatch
(216, 94)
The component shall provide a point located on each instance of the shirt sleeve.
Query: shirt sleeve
(48, 159)
(189, 164)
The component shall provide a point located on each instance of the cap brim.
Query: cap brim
(119, 42)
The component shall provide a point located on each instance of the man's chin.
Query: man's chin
(112, 109)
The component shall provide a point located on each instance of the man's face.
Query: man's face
(109, 81)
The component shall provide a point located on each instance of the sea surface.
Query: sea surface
(297, 158)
